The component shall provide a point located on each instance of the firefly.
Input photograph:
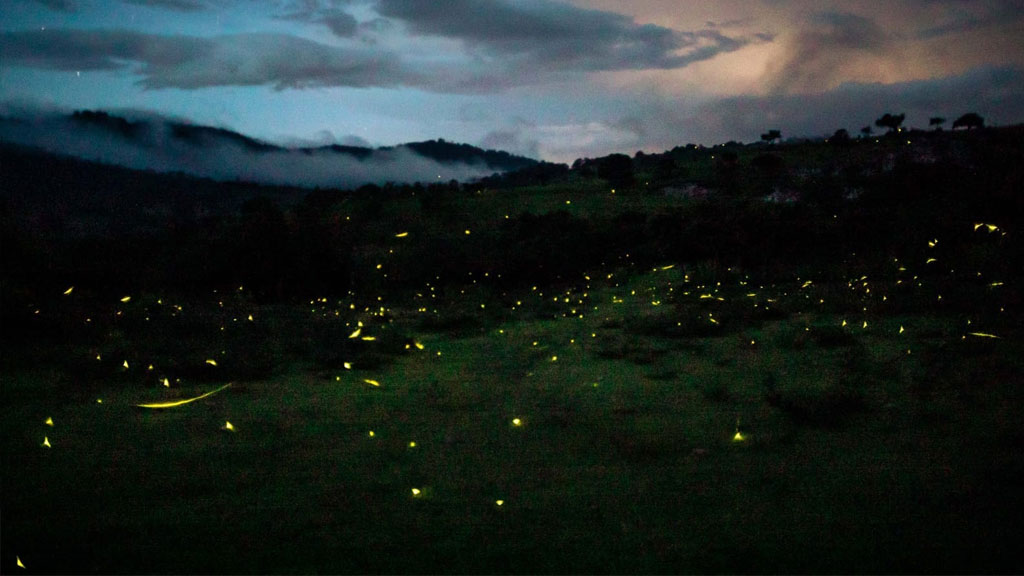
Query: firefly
(499, 502)
(18, 560)
(356, 333)
(68, 291)
(228, 426)
(401, 235)
(161, 405)
(46, 442)
(415, 491)
(372, 382)
(126, 299)
(517, 422)
(49, 421)
(211, 362)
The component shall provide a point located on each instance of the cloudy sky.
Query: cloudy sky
(551, 79)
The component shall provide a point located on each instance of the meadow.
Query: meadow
(655, 407)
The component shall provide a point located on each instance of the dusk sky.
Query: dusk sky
(544, 78)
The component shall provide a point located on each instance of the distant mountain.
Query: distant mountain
(204, 136)
(167, 145)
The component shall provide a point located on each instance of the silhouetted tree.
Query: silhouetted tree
(841, 136)
(617, 169)
(890, 121)
(937, 121)
(771, 136)
(969, 121)
(866, 131)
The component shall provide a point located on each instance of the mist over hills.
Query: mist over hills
(166, 145)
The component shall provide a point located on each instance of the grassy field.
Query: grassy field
(659, 420)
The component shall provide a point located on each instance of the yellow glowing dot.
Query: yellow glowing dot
(738, 437)
(68, 291)
(347, 365)
(418, 345)
(412, 444)
(379, 266)
(250, 317)
(865, 324)
(371, 434)
(49, 421)
(401, 235)
(499, 502)
(369, 338)
(46, 442)
(126, 299)
(211, 362)
(844, 323)
(167, 383)
(356, 333)
(901, 329)
(18, 561)
(554, 358)
(415, 491)
(228, 426)
(517, 422)
(467, 232)
(752, 342)
(99, 400)
(125, 364)
(372, 382)
(930, 260)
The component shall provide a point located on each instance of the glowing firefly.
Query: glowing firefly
(18, 561)
(356, 333)
(401, 235)
(983, 335)
(46, 442)
(68, 291)
(415, 491)
(160, 405)
(499, 502)
(49, 421)
(372, 382)
(517, 422)
(228, 426)
(126, 299)
(211, 362)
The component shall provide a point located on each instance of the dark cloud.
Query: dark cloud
(963, 16)
(818, 57)
(191, 62)
(59, 5)
(176, 5)
(342, 24)
(995, 93)
(554, 35)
